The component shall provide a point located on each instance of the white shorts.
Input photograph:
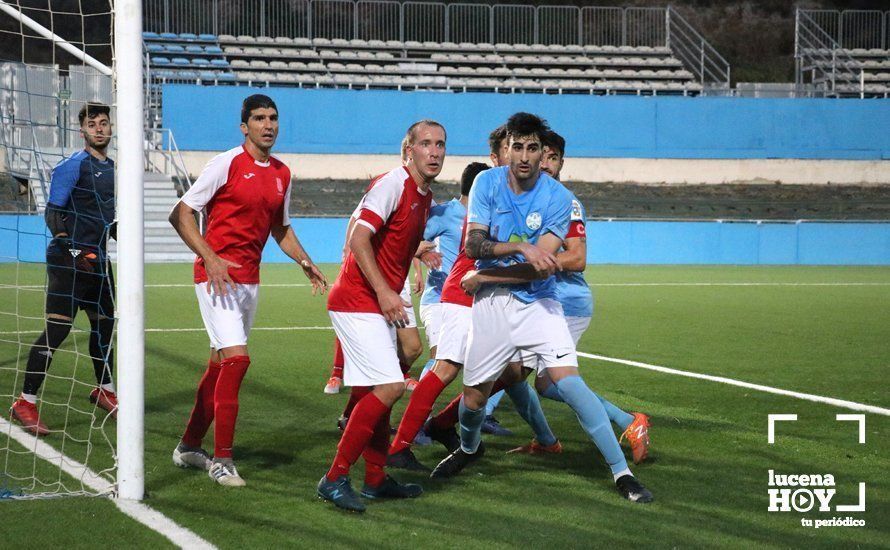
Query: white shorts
(502, 325)
(431, 316)
(228, 318)
(409, 311)
(369, 348)
(452, 344)
(577, 328)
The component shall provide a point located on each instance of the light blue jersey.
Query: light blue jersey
(444, 228)
(571, 288)
(517, 218)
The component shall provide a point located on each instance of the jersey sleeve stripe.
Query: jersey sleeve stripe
(371, 220)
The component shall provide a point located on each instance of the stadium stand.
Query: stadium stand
(661, 54)
(843, 53)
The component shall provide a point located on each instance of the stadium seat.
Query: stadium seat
(283, 40)
(265, 40)
(174, 48)
(207, 37)
(180, 61)
(321, 42)
(358, 43)
(302, 41)
(168, 36)
(221, 63)
(188, 36)
(376, 43)
(336, 66)
(160, 60)
(188, 75)
(227, 38)
(163, 73)
(226, 76)
(213, 49)
(207, 75)
(348, 54)
(271, 51)
(253, 50)
(297, 65)
(194, 48)
(395, 44)
(308, 53)
(246, 38)
(148, 35)
(240, 63)
(200, 62)
(258, 64)
(278, 64)
(152, 48)
(384, 55)
(339, 42)
(329, 54)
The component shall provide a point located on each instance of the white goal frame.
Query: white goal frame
(130, 300)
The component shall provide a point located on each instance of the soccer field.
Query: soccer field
(813, 330)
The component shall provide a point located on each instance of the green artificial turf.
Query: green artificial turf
(709, 460)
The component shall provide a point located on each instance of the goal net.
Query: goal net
(54, 58)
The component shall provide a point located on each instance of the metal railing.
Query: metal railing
(853, 29)
(162, 156)
(821, 61)
(412, 20)
(696, 54)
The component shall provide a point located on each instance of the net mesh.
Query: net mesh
(42, 89)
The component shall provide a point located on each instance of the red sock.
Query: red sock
(202, 412)
(337, 370)
(231, 374)
(448, 417)
(355, 395)
(375, 452)
(357, 434)
(419, 407)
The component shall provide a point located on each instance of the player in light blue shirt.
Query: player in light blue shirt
(517, 221)
(577, 303)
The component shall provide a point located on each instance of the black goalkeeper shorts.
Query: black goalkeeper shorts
(69, 288)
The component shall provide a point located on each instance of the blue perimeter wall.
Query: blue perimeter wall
(206, 118)
(23, 238)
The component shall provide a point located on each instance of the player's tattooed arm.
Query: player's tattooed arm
(574, 257)
(479, 246)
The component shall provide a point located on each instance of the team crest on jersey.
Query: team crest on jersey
(576, 211)
(533, 221)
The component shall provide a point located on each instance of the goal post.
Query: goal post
(127, 24)
(39, 132)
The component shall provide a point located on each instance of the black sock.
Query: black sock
(41, 354)
(100, 348)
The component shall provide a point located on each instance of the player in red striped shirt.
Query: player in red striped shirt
(366, 310)
(245, 193)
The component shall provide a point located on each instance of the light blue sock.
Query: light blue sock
(470, 427)
(529, 408)
(592, 416)
(552, 393)
(426, 368)
(616, 415)
(493, 403)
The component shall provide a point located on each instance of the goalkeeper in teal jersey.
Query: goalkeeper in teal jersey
(80, 216)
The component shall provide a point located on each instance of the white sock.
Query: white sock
(624, 472)
(108, 387)
(30, 398)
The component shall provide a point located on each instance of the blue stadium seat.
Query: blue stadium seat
(148, 35)
(200, 61)
(205, 36)
(213, 49)
(174, 48)
(207, 75)
(194, 48)
(219, 62)
(163, 73)
(154, 47)
(179, 61)
(187, 74)
(160, 60)
(169, 35)
(188, 36)
(228, 77)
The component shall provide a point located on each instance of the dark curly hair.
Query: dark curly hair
(527, 124)
(470, 172)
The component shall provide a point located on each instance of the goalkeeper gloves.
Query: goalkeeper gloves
(62, 252)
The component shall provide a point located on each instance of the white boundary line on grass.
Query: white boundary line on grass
(140, 512)
(732, 382)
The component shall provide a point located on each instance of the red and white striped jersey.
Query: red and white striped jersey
(244, 199)
(395, 210)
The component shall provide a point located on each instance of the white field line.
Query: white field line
(145, 515)
(852, 405)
